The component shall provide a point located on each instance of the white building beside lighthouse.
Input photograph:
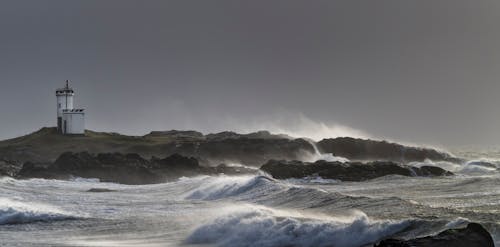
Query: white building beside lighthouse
(70, 121)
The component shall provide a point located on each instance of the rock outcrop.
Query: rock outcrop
(251, 149)
(254, 149)
(350, 171)
(8, 168)
(360, 149)
(122, 168)
(474, 235)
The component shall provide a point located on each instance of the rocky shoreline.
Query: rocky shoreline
(347, 171)
(253, 149)
(134, 169)
(134, 159)
(123, 168)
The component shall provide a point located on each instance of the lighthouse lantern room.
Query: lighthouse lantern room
(69, 120)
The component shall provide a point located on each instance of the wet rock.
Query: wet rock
(474, 235)
(252, 151)
(175, 162)
(360, 149)
(100, 190)
(349, 171)
(121, 168)
(8, 168)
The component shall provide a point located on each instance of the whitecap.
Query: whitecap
(17, 212)
(264, 227)
(228, 186)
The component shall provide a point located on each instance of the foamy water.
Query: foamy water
(248, 210)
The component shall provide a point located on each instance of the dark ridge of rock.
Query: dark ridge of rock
(360, 149)
(100, 190)
(223, 135)
(46, 145)
(176, 134)
(263, 134)
(429, 171)
(175, 162)
(38, 170)
(351, 171)
(116, 167)
(253, 149)
(69, 161)
(8, 168)
(252, 152)
(121, 168)
(474, 235)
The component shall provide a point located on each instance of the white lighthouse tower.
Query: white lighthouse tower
(69, 119)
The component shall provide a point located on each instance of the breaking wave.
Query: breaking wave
(16, 212)
(265, 227)
(225, 186)
(473, 167)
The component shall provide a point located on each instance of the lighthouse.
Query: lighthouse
(70, 121)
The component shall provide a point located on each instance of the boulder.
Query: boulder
(474, 235)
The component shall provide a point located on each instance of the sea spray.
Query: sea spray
(225, 186)
(265, 227)
(17, 212)
(317, 155)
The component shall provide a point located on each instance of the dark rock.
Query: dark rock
(176, 134)
(99, 190)
(431, 171)
(175, 162)
(8, 168)
(39, 170)
(359, 149)
(251, 151)
(121, 168)
(474, 235)
(350, 171)
(115, 167)
(69, 161)
(263, 134)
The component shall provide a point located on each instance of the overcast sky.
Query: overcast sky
(424, 71)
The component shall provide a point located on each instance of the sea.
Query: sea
(250, 210)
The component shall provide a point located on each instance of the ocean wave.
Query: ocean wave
(17, 212)
(479, 167)
(449, 166)
(472, 167)
(265, 227)
(312, 180)
(220, 187)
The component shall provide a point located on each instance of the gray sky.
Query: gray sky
(417, 71)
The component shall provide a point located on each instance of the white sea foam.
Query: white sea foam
(473, 167)
(312, 180)
(317, 155)
(17, 212)
(265, 227)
